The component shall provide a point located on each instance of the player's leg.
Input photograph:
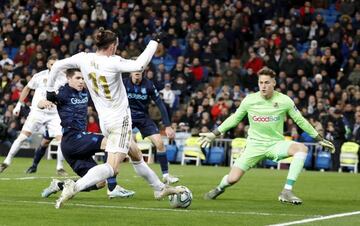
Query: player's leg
(55, 130)
(150, 130)
(39, 153)
(117, 146)
(24, 134)
(285, 149)
(60, 159)
(142, 169)
(162, 158)
(250, 157)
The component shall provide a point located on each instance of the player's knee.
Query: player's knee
(160, 146)
(101, 184)
(302, 148)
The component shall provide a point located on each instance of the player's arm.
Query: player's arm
(295, 114)
(170, 133)
(141, 61)
(57, 69)
(24, 93)
(230, 122)
(62, 65)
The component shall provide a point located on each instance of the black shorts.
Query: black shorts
(78, 149)
(146, 126)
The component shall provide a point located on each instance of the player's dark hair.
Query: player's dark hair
(71, 72)
(104, 38)
(52, 57)
(267, 71)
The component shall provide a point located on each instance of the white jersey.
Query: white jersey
(102, 75)
(39, 83)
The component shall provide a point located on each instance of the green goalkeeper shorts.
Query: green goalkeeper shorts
(255, 152)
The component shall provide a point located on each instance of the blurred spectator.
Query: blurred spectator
(92, 125)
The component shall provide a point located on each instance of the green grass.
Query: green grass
(253, 201)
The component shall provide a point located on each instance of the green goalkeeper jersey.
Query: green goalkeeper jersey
(267, 116)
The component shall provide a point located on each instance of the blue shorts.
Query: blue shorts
(78, 149)
(146, 126)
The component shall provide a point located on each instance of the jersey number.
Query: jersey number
(102, 81)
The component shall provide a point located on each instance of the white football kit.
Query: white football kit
(102, 75)
(42, 117)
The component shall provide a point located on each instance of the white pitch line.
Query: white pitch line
(33, 178)
(317, 219)
(159, 209)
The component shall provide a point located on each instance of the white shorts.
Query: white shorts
(118, 133)
(38, 119)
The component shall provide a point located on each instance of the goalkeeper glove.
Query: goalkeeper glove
(206, 139)
(325, 143)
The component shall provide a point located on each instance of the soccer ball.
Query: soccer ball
(181, 200)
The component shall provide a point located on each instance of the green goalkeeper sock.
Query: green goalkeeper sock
(224, 183)
(296, 166)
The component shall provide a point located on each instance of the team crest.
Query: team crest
(143, 90)
(276, 105)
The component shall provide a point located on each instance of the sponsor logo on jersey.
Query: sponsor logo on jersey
(79, 101)
(137, 96)
(263, 118)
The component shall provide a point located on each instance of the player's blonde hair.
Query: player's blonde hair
(267, 71)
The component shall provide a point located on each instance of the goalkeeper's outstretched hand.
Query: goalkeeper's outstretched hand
(327, 144)
(206, 139)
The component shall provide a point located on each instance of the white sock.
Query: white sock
(59, 159)
(15, 148)
(94, 175)
(142, 169)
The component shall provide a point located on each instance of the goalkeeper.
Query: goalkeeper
(266, 111)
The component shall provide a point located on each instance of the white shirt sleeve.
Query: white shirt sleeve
(141, 62)
(33, 84)
(61, 65)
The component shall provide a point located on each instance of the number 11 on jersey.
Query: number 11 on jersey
(103, 83)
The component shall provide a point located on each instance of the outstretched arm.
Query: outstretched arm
(62, 65)
(207, 138)
(307, 127)
(141, 62)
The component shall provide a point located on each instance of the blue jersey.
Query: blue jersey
(139, 97)
(72, 108)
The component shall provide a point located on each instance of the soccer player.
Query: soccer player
(140, 91)
(78, 146)
(102, 73)
(266, 111)
(38, 118)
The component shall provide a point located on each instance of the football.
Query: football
(181, 200)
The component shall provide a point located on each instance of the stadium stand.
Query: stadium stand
(312, 45)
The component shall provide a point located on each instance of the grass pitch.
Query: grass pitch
(253, 201)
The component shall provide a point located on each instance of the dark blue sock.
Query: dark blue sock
(111, 183)
(39, 153)
(162, 157)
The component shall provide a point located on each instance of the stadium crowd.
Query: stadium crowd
(209, 60)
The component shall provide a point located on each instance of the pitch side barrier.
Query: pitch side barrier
(225, 143)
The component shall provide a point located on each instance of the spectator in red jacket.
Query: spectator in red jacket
(93, 126)
(254, 62)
